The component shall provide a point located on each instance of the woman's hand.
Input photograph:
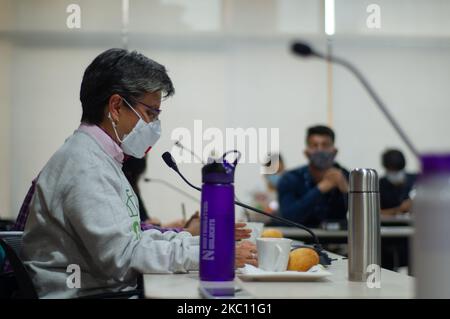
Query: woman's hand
(153, 221)
(241, 232)
(246, 253)
(193, 224)
(179, 223)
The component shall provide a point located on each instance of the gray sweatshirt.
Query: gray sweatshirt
(84, 215)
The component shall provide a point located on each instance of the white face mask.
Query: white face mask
(141, 138)
(396, 177)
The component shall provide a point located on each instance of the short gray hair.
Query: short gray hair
(118, 71)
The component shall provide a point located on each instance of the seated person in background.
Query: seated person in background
(396, 185)
(133, 168)
(267, 200)
(317, 192)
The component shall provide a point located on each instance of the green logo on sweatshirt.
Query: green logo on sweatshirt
(133, 212)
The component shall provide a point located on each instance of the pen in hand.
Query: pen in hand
(183, 211)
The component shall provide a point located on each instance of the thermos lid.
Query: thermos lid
(217, 173)
(364, 180)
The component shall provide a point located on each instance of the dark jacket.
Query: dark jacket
(393, 195)
(301, 201)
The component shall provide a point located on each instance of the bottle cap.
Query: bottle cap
(219, 171)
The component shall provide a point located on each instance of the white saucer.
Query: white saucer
(251, 273)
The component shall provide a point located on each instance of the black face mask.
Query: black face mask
(322, 159)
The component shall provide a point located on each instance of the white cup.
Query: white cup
(273, 253)
(257, 229)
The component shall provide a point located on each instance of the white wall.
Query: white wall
(412, 81)
(231, 77)
(5, 117)
(5, 137)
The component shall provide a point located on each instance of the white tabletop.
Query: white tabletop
(185, 286)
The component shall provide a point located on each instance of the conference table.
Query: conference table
(404, 219)
(186, 286)
(340, 236)
(395, 242)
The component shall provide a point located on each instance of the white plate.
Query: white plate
(250, 273)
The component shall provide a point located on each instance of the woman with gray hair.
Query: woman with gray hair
(83, 232)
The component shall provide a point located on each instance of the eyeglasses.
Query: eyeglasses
(152, 112)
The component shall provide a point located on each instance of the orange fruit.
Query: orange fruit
(272, 233)
(302, 259)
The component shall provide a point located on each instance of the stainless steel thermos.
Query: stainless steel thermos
(364, 253)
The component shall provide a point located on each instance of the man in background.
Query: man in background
(316, 192)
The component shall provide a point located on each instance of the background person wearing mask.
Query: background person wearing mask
(84, 211)
(316, 192)
(396, 185)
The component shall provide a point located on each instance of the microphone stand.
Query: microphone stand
(184, 148)
(160, 181)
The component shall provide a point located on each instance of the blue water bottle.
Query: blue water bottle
(217, 240)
